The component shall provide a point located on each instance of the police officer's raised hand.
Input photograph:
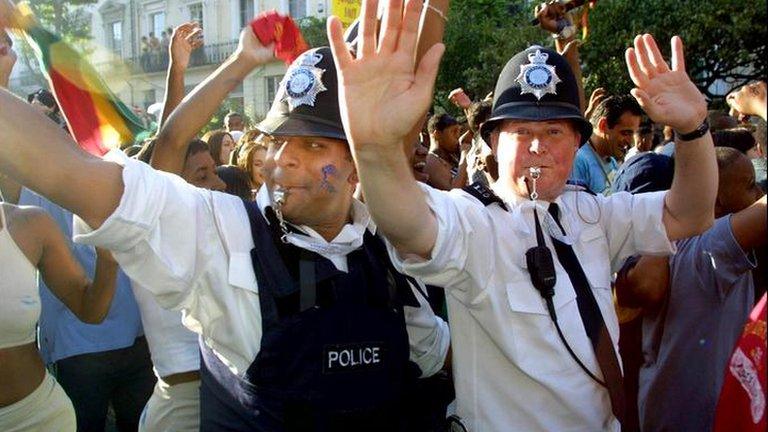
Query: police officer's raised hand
(666, 94)
(251, 51)
(381, 94)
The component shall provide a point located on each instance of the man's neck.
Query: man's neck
(599, 146)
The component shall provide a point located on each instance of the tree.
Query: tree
(313, 30)
(724, 40)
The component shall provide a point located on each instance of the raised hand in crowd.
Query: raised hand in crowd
(197, 108)
(459, 98)
(553, 18)
(595, 99)
(748, 100)
(185, 39)
(669, 97)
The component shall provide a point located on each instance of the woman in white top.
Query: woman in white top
(30, 241)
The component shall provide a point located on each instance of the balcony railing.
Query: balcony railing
(210, 54)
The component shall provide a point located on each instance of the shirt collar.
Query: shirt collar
(349, 238)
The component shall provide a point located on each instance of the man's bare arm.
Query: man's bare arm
(750, 226)
(37, 153)
(669, 97)
(185, 39)
(382, 99)
(198, 107)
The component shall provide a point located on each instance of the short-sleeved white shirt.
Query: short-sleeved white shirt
(511, 371)
(191, 248)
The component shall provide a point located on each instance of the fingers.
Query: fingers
(341, 54)
(678, 56)
(657, 60)
(391, 26)
(638, 76)
(643, 59)
(409, 34)
(367, 43)
(642, 98)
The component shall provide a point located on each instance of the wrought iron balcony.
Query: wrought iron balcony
(209, 54)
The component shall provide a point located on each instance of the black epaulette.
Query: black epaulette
(484, 194)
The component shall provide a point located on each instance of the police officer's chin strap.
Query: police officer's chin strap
(278, 199)
(542, 269)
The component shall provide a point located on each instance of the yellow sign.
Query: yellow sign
(346, 10)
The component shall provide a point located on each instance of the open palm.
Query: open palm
(381, 94)
(666, 94)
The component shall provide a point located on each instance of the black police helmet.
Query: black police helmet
(307, 102)
(536, 84)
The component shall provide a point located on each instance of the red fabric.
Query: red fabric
(742, 403)
(78, 107)
(272, 27)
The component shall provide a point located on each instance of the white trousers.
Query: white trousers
(47, 409)
(172, 408)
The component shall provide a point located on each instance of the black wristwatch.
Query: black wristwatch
(697, 133)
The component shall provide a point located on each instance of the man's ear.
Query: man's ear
(494, 136)
(602, 125)
(353, 178)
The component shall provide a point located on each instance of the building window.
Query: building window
(297, 8)
(247, 12)
(273, 83)
(115, 34)
(196, 13)
(157, 23)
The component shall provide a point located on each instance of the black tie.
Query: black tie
(592, 319)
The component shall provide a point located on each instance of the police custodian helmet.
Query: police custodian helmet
(307, 101)
(536, 85)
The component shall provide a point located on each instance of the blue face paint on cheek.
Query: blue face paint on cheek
(328, 172)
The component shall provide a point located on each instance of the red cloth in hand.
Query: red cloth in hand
(272, 27)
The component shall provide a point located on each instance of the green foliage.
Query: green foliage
(217, 120)
(724, 40)
(480, 37)
(65, 17)
(313, 29)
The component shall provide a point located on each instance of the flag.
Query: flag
(97, 119)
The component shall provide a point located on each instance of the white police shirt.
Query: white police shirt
(511, 371)
(191, 248)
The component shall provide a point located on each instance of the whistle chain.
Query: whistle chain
(279, 198)
(535, 174)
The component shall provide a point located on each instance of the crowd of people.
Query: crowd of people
(358, 261)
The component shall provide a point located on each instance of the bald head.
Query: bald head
(736, 187)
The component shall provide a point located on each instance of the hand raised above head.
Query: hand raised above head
(382, 94)
(185, 39)
(252, 51)
(666, 94)
(749, 99)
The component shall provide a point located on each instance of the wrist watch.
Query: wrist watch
(696, 133)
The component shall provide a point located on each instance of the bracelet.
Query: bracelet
(436, 10)
(697, 133)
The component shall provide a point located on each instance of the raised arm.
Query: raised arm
(185, 39)
(382, 97)
(198, 107)
(750, 226)
(88, 300)
(669, 97)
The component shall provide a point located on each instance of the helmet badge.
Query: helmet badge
(538, 77)
(303, 81)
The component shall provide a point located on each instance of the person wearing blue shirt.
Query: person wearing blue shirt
(95, 364)
(615, 122)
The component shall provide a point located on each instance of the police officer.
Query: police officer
(527, 265)
(304, 322)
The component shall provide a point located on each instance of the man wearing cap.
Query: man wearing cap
(512, 369)
(304, 323)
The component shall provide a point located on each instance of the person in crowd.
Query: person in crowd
(44, 100)
(268, 350)
(144, 46)
(481, 165)
(615, 121)
(236, 180)
(251, 156)
(233, 123)
(96, 365)
(751, 100)
(221, 145)
(645, 139)
(510, 364)
(738, 138)
(695, 303)
(444, 155)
